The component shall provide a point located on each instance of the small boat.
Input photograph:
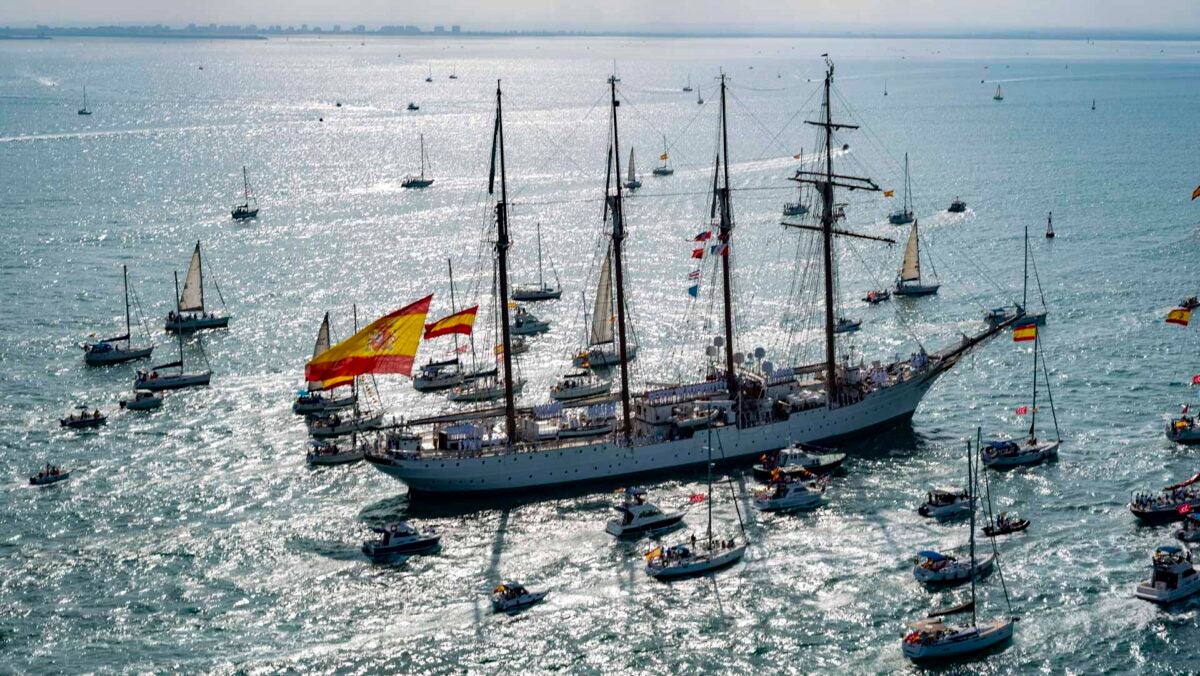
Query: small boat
(1004, 525)
(909, 283)
(999, 95)
(50, 474)
(117, 349)
(903, 215)
(453, 73)
(699, 99)
(1169, 504)
(1093, 104)
(945, 503)
(601, 356)
(797, 462)
(189, 314)
(1050, 225)
(602, 350)
(337, 104)
(541, 291)
(429, 78)
(511, 596)
(845, 325)
(596, 420)
(336, 425)
(438, 375)
(936, 568)
(83, 419)
(1184, 430)
(143, 400)
(84, 110)
(313, 403)
(932, 639)
(487, 388)
(154, 381)
(1007, 454)
(1191, 529)
(525, 323)
(786, 494)
(579, 385)
(639, 517)
(957, 206)
(1172, 576)
(631, 181)
(1190, 303)
(249, 207)
(400, 538)
(877, 296)
(794, 209)
(664, 169)
(418, 181)
(412, 106)
(688, 87)
(332, 453)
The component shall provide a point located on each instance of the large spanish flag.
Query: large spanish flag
(1024, 333)
(459, 322)
(386, 345)
(1180, 316)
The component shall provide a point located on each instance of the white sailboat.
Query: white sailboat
(601, 349)
(999, 95)
(118, 348)
(249, 207)
(688, 87)
(311, 401)
(909, 283)
(84, 110)
(154, 381)
(189, 314)
(541, 291)
(418, 181)
(903, 215)
(664, 169)
(632, 182)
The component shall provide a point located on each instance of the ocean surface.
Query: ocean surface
(195, 538)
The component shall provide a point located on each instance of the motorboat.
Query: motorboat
(83, 419)
(845, 325)
(1004, 525)
(935, 568)
(639, 517)
(1169, 504)
(332, 453)
(1006, 454)
(313, 403)
(336, 425)
(579, 385)
(796, 461)
(1191, 529)
(786, 494)
(400, 538)
(932, 639)
(50, 474)
(957, 206)
(596, 420)
(875, 297)
(795, 209)
(1172, 576)
(1190, 303)
(945, 503)
(511, 596)
(1184, 430)
(143, 400)
(438, 375)
(525, 323)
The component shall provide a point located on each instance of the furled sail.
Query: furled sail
(602, 312)
(911, 271)
(632, 168)
(192, 298)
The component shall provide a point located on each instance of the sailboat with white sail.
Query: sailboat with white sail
(154, 381)
(760, 409)
(249, 207)
(190, 314)
(311, 401)
(332, 423)
(541, 291)
(418, 181)
(120, 348)
(632, 182)
(601, 350)
(903, 215)
(908, 282)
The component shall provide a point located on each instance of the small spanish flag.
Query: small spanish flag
(459, 322)
(663, 157)
(1180, 316)
(889, 193)
(1024, 333)
(654, 553)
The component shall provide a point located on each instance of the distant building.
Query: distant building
(439, 29)
(360, 29)
(455, 28)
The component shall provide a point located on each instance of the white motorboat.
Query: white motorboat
(1172, 576)
(143, 400)
(50, 474)
(1191, 529)
(936, 568)
(120, 348)
(336, 425)
(510, 597)
(438, 375)
(945, 503)
(525, 323)
(400, 538)
(579, 385)
(189, 314)
(83, 419)
(877, 296)
(332, 453)
(541, 291)
(932, 639)
(638, 517)
(1006, 454)
(596, 420)
(795, 461)
(786, 494)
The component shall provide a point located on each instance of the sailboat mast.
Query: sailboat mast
(502, 244)
(1025, 280)
(723, 247)
(618, 236)
(200, 267)
(179, 334)
(831, 386)
(422, 157)
(541, 283)
(1033, 414)
(708, 467)
(354, 381)
(246, 183)
(125, 277)
(971, 480)
(453, 306)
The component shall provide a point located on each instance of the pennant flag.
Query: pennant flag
(1022, 410)
(1180, 316)
(653, 553)
(695, 274)
(1196, 192)
(663, 157)
(698, 253)
(694, 291)
(889, 193)
(462, 348)
(696, 497)
(386, 345)
(720, 249)
(703, 237)
(1196, 380)
(1024, 333)
(459, 322)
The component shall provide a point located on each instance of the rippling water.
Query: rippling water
(195, 538)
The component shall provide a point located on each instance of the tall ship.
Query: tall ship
(748, 406)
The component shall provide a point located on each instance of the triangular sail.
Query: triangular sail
(632, 167)
(192, 298)
(911, 271)
(602, 311)
(322, 337)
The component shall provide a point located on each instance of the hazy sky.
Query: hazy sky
(663, 15)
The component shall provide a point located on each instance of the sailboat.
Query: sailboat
(541, 291)
(248, 208)
(111, 350)
(154, 381)
(601, 350)
(908, 283)
(84, 110)
(1007, 453)
(1050, 225)
(688, 87)
(189, 314)
(1020, 314)
(903, 215)
(664, 169)
(330, 424)
(797, 208)
(418, 181)
(632, 182)
(1093, 104)
(310, 401)
(761, 408)
(885, 87)
(443, 374)
(933, 639)
(699, 99)
(454, 72)
(999, 95)
(429, 78)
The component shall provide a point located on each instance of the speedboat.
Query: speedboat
(143, 400)
(83, 419)
(957, 206)
(438, 375)
(1172, 576)
(932, 639)
(413, 106)
(49, 474)
(679, 561)
(845, 325)
(874, 297)
(335, 425)
(1191, 529)
(794, 209)
(936, 568)
(1006, 454)
(1184, 430)
(945, 503)
(1169, 504)
(525, 323)
(400, 538)
(511, 596)
(795, 461)
(639, 517)
(787, 494)
(324, 453)
(579, 385)
(312, 403)
(1004, 525)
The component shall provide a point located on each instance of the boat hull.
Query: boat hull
(115, 356)
(723, 560)
(196, 324)
(49, 480)
(530, 295)
(914, 290)
(1163, 595)
(173, 382)
(616, 528)
(988, 636)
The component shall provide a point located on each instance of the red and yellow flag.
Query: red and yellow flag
(459, 322)
(889, 193)
(386, 345)
(1180, 316)
(1024, 333)
(1196, 192)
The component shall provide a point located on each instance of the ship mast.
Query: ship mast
(614, 205)
(502, 244)
(726, 212)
